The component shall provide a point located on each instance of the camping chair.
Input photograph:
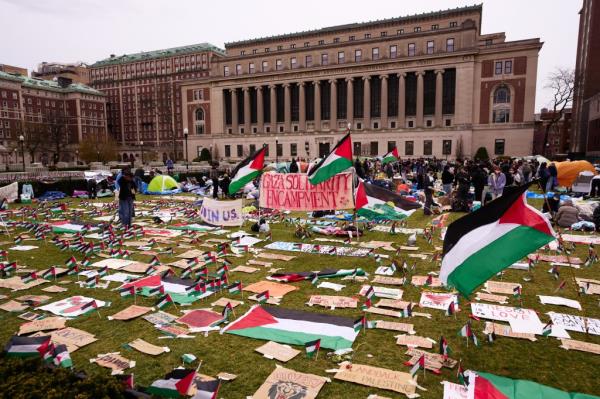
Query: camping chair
(583, 183)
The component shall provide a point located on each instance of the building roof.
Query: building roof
(360, 25)
(42, 84)
(151, 55)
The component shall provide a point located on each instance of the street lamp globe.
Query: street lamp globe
(185, 132)
(21, 138)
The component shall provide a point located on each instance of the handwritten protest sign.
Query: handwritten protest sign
(521, 320)
(332, 302)
(377, 377)
(221, 213)
(437, 300)
(274, 350)
(454, 391)
(569, 344)
(394, 326)
(286, 383)
(49, 323)
(293, 192)
(505, 331)
(113, 361)
(575, 323)
(414, 341)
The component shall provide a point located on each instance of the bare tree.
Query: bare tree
(57, 133)
(34, 135)
(561, 82)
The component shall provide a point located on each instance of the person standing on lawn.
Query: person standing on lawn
(126, 196)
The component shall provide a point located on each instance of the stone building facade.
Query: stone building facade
(429, 84)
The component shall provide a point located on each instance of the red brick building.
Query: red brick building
(144, 104)
(559, 134)
(47, 114)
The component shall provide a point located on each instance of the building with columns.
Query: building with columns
(430, 84)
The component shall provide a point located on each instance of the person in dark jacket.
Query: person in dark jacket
(552, 177)
(126, 196)
(479, 180)
(428, 189)
(542, 174)
(293, 166)
(225, 185)
(447, 179)
(360, 172)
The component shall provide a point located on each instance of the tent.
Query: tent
(568, 171)
(163, 184)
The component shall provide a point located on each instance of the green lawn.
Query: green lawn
(542, 361)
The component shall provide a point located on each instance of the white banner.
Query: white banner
(221, 213)
(435, 300)
(521, 320)
(10, 192)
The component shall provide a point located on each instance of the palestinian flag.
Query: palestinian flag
(186, 273)
(103, 272)
(420, 364)
(157, 290)
(376, 203)
(90, 306)
(155, 261)
(312, 348)
(164, 301)
(444, 347)
(481, 244)
(49, 274)
(247, 170)
(175, 384)
(294, 327)
(3, 254)
(86, 262)
(338, 160)
(12, 266)
(235, 288)
(127, 291)
(359, 323)
(263, 297)
(227, 310)
(292, 277)
(207, 389)
(71, 261)
(29, 277)
(489, 386)
(27, 346)
(547, 329)
(73, 270)
(127, 380)
(391, 156)
(192, 262)
(91, 282)
(62, 357)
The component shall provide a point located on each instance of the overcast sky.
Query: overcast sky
(89, 30)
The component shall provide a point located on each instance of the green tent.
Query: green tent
(162, 183)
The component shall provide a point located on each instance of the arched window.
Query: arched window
(501, 105)
(199, 121)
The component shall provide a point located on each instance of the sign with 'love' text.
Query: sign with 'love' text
(293, 192)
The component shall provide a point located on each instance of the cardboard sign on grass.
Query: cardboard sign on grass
(275, 289)
(431, 357)
(113, 361)
(575, 323)
(505, 331)
(571, 344)
(437, 300)
(332, 302)
(521, 320)
(13, 306)
(394, 326)
(482, 296)
(147, 348)
(392, 303)
(130, 312)
(455, 391)
(377, 377)
(388, 280)
(420, 281)
(286, 383)
(274, 350)
(383, 292)
(500, 287)
(414, 341)
(49, 323)
(74, 338)
(16, 284)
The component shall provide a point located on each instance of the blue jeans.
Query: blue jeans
(126, 211)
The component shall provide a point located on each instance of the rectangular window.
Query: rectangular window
(293, 149)
(427, 147)
(308, 61)
(251, 68)
(240, 150)
(411, 49)
(325, 59)
(293, 45)
(453, 24)
(293, 63)
(336, 39)
(391, 145)
(498, 69)
(341, 57)
(507, 67)
(252, 148)
(306, 44)
(254, 51)
(430, 47)
(279, 65)
(499, 147)
(351, 38)
(383, 34)
(374, 148)
(393, 51)
(265, 66)
(238, 69)
(279, 149)
(489, 42)
(367, 35)
(267, 49)
(357, 55)
(450, 44)
(400, 32)
(279, 48)
(417, 29)
(225, 70)
(447, 147)
(409, 148)
(357, 148)
(375, 53)
(243, 52)
(435, 27)
(227, 151)
(321, 42)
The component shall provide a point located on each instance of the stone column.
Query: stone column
(246, 110)
(260, 112)
(349, 101)
(384, 101)
(333, 105)
(287, 107)
(234, 112)
(273, 101)
(401, 100)
(317, 105)
(301, 107)
(420, 98)
(439, 87)
(367, 102)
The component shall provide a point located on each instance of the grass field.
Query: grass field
(541, 361)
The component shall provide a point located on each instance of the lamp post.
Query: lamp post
(185, 136)
(77, 157)
(142, 149)
(307, 149)
(276, 151)
(22, 141)
(97, 156)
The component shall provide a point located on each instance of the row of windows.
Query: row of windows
(503, 67)
(341, 57)
(15, 96)
(351, 38)
(150, 65)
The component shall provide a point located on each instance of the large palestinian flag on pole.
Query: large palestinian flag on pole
(490, 386)
(338, 160)
(391, 156)
(376, 203)
(481, 244)
(247, 170)
(294, 327)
